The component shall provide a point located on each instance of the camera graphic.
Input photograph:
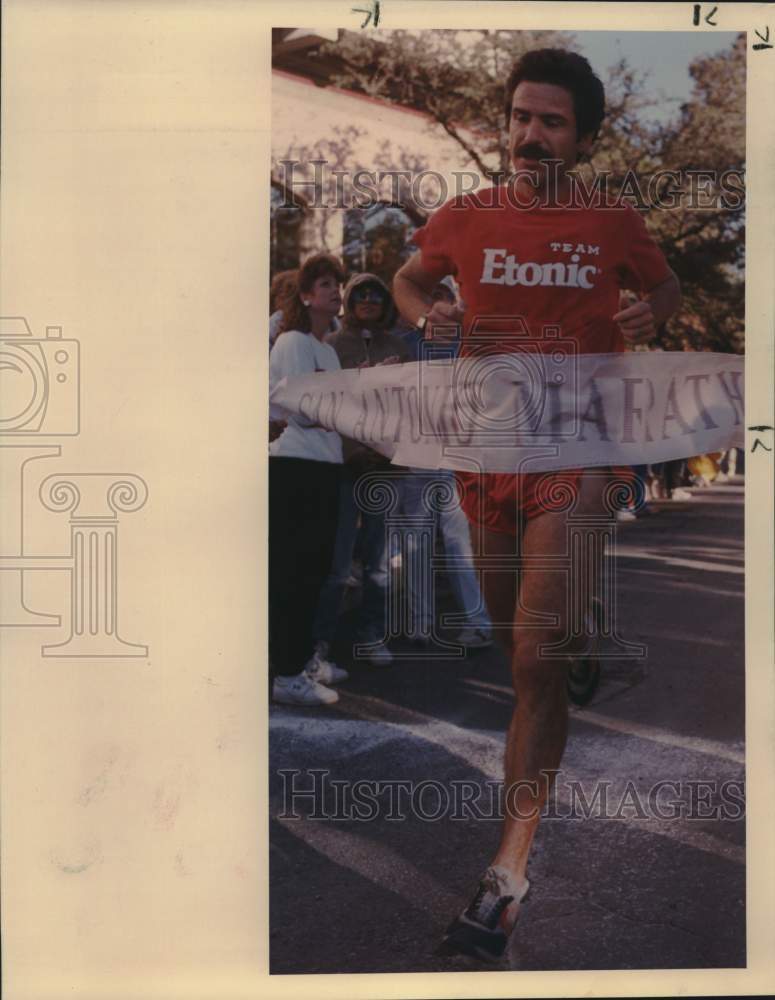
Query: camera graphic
(39, 381)
(513, 387)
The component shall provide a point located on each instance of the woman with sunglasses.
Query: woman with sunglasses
(364, 340)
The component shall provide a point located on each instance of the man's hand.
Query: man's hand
(444, 321)
(638, 319)
(637, 322)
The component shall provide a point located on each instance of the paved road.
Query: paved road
(628, 887)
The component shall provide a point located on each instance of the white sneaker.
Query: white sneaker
(324, 671)
(379, 655)
(625, 515)
(474, 638)
(302, 690)
(680, 494)
(721, 477)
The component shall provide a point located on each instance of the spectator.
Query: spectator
(416, 497)
(703, 469)
(674, 479)
(283, 287)
(304, 474)
(727, 466)
(364, 340)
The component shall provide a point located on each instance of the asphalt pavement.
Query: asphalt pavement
(640, 860)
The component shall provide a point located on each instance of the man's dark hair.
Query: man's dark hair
(563, 69)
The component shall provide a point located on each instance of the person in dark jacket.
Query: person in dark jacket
(363, 340)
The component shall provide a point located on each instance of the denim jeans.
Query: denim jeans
(453, 524)
(368, 529)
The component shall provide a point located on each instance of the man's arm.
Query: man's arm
(639, 322)
(412, 287)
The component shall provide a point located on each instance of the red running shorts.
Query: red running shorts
(504, 502)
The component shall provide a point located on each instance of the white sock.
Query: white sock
(511, 886)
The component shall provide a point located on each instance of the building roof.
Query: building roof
(297, 51)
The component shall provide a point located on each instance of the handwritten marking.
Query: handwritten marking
(371, 13)
(765, 40)
(757, 443)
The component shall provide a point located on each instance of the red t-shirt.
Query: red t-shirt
(553, 267)
(556, 268)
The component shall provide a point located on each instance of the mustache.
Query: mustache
(531, 151)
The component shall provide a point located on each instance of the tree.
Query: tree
(706, 246)
(456, 77)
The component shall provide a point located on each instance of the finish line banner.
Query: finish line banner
(526, 412)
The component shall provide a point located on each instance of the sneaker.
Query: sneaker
(379, 655)
(625, 515)
(473, 637)
(680, 494)
(324, 671)
(483, 930)
(721, 477)
(302, 690)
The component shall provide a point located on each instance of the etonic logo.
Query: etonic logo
(502, 268)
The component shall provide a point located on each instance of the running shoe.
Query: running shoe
(379, 655)
(302, 690)
(681, 494)
(483, 929)
(324, 671)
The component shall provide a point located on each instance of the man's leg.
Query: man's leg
(539, 722)
(538, 728)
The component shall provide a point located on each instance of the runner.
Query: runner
(525, 250)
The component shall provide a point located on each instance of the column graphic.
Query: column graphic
(94, 501)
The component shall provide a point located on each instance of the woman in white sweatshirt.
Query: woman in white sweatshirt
(304, 474)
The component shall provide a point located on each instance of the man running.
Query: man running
(526, 251)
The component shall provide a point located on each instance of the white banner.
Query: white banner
(527, 412)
